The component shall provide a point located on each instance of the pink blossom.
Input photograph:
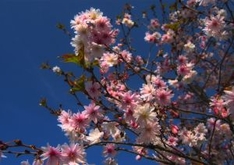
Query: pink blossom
(158, 82)
(175, 83)
(214, 26)
(189, 47)
(188, 137)
(191, 3)
(126, 55)
(172, 141)
(200, 131)
(52, 155)
(217, 105)
(93, 89)
(138, 157)
(229, 98)
(168, 37)
(110, 161)
(214, 23)
(73, 153)
(64, 119)
(78, 19)
(140, 151)
(152, 38)
(78, 42)
(188, 78)
(127, 20)
(225, 130)
(203, 41)
(164, 27)
(128, 99)
(104, 67)
(109, 150)
(115, 88)
(164, 67)
(163, 96)
(95, 136)
(144, 114)
(174, 129)
(103, 24)
(183, 69)
(212, 122)
(95, 51)
(128, 115)
(104, 38)
(93, 33)
(111, 128)
(93, 112)
(147, 92)
(154, 24)
(79, 122)
(148, 132)
(109, 59)
(139, 60)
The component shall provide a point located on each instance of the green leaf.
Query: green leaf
(70, 58)
(77, 59)
(173, 26)
(95, 63)
(79, 84)
(81, 57)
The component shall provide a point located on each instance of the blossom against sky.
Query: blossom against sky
(29, 37)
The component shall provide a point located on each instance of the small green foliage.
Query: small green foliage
(70, 58)
(78, 84)
(77, 59)
(81, 57)
(174, 26)
(94, 63)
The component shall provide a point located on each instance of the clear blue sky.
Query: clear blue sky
(28, 37)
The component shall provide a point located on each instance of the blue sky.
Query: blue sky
(28, 37)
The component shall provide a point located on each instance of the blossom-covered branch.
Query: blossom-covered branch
(170, 103)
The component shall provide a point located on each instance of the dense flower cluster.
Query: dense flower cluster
(93, 32)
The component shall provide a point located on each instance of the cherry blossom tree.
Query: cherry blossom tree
(171, 105)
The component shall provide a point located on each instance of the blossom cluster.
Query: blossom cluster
(66, 154)
(93, 32)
